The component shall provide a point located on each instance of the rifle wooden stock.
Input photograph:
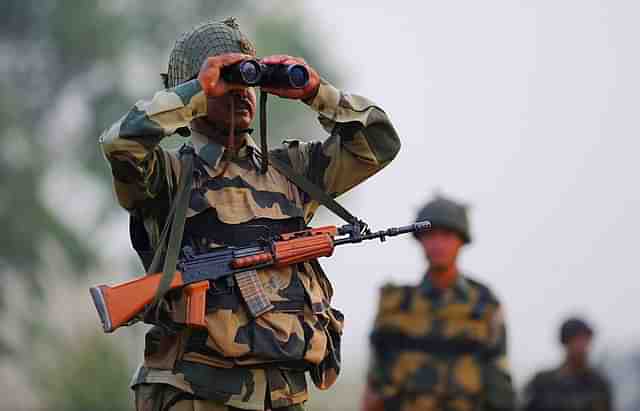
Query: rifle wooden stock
(119, 304)
(301, 249)
(291, 251)
(196, 295)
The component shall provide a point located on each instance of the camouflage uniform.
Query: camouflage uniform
(241, 361)
(562, 390)
(440, 349)
(565, 388)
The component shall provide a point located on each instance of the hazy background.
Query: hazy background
(524, 110)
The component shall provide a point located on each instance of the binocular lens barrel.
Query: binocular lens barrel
(253, 73)
(298, 75)
(246, 72)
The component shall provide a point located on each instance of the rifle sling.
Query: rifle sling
(315, 192)
(176, 219)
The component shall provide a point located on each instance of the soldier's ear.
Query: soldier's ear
(165, 79)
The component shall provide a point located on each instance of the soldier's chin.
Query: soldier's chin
(243, 119)
(438, 266)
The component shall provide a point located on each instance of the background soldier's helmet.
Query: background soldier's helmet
(205, 40)
(445, 213)
(574, 327)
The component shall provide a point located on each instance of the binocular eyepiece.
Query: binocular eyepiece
(253, 73)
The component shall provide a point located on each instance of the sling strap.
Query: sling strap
(175, 224)
(315, 192)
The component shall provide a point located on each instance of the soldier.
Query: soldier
(574, 385)
(440, 344)
(243, 359)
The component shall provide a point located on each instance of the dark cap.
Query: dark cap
(573, 327)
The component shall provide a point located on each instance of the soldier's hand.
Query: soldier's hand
(295, 93)
(209, 76)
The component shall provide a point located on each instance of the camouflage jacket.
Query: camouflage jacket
(438, 349)
(239, 359)
(560, 390)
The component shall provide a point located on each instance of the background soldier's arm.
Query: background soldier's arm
(362, 142)
(530, 395)
(606, 404)
(372, 397)
(377, 372)
(141, 169)
(499, 391)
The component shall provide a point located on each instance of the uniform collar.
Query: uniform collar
(460, 287)
(212, 152)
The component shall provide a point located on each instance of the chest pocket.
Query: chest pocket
(468, 321)
(240, 194)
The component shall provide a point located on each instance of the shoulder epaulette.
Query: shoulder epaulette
(484, 291)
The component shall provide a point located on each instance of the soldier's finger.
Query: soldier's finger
(275, 59)
(229, 59)
(295, 60)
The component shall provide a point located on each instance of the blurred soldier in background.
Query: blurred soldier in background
(245, 358)
(574, 385)
(441, 344)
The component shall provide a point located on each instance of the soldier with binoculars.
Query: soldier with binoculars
(242, 358)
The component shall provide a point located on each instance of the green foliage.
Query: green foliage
(48, 48)
(68, 69)
(92, 373)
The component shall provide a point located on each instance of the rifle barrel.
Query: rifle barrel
(390, 232)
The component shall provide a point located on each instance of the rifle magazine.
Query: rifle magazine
(253, 293)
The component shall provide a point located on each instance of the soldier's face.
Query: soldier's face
(578, 347)
(441, 247)
(244, 104)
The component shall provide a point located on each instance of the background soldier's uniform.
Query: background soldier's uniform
(566, 388)
(440, 349)
(239, 360)
(561, 390)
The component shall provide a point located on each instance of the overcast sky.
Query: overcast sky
(528, 112)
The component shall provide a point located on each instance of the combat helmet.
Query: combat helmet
(446, 213)
(207, 39)
(573, 327)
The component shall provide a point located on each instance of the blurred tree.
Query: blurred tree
(91, 373)
(69, 69)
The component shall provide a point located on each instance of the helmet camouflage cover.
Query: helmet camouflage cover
(448, 214)
(207, 39)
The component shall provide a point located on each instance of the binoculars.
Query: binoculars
(253, 73)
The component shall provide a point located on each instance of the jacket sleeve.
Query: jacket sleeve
(499, 390)
(605, 402)
(362, 141)
(142, 171)
(530, 395)
(381, 360)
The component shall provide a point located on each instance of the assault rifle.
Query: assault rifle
(120, 304)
